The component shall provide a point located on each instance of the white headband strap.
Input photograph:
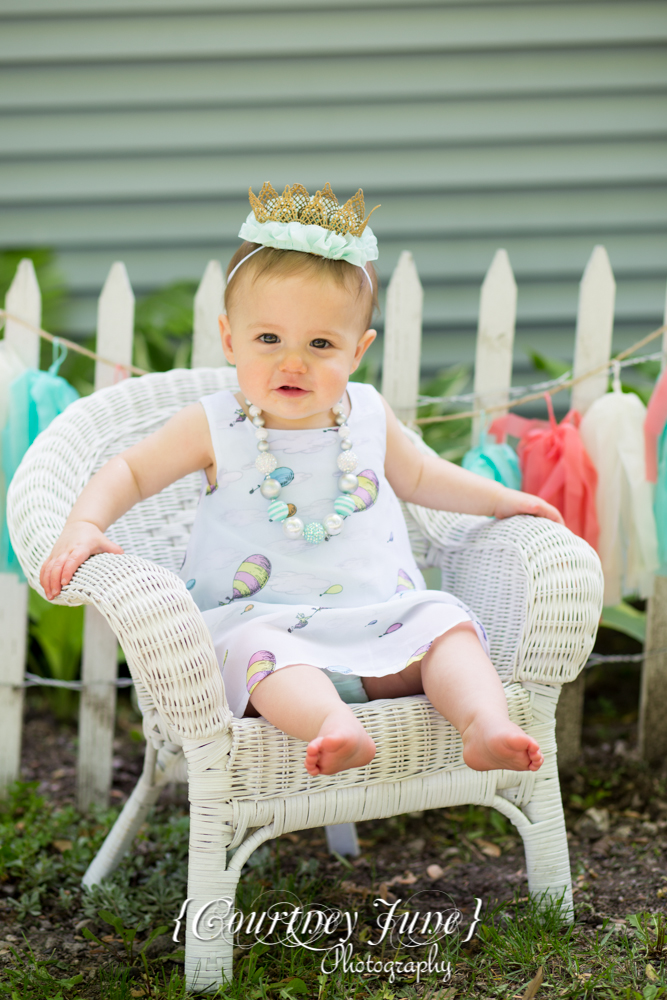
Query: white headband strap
(249, 255)
(242, 261)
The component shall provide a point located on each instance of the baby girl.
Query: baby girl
(301, 476)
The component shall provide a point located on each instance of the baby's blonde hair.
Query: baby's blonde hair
(269, 261)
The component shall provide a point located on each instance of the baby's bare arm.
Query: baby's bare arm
(181, 446)
(433, 482)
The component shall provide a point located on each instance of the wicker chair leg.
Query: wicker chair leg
(541, 821)
(125, 828)
(212, 885)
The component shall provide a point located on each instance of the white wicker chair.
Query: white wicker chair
(536, 587)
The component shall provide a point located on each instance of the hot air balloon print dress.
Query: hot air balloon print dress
(355, 605)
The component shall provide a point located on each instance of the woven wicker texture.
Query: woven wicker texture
(536, 588)
(322, 209)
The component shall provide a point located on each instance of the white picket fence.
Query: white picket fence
(400, 384)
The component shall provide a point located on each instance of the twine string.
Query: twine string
(560, 387)
(72, 345)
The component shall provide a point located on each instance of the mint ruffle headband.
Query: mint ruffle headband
(317, 225)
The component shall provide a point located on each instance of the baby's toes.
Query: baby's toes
(313, 754)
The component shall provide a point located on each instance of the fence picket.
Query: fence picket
(495, 338)
(653, 692)
(592, 347)
(115, 331)
(595, 323)
(402, 338)
(206, 345)
(23, 299)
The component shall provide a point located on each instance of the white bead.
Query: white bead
(258, 421)
(333, 524)
(270, 489)
(261, 433)
(254, 411)
(337, 408)
(344, 432)
(264, 446)
(347, 483)
(345, 445)
(266, 462)
(347, 461)
(340, 419)
(293, 527)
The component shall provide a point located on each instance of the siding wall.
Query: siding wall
(131, 130)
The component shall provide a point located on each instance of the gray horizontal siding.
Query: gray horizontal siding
(267, 82)
(133, 130)
(380, 172)
(441, 124)
(235, 35)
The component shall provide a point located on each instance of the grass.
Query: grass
(45, 850)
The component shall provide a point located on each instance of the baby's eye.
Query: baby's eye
(320, 342)
(268, 338)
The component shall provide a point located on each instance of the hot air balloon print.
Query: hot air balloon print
(404, 582)
(392, 628)
(251, 576)
(240, 417)
(261, 664)
(248, 608)
(303, 619)
(374, 622)
(282, 474)
(418, 653)
(366, 492)
(190, 584)
(335, 588)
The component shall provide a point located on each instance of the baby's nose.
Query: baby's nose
(293, 362)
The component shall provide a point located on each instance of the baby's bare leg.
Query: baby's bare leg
(302, 702)
(462, 684)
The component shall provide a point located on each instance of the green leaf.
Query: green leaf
(624, 618)
(153, 934)
(553, 367)
(59, 632)
(88, 934)
(292, 988)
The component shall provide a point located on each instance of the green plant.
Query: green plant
(30, 978)
(163, 327)
(451, 438)
(626, 619)
(56, 640)
(126, 934)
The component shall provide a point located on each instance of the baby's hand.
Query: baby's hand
(78, 541)
(511, 502)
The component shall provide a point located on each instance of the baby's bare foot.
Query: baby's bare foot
(339, 748)
(494, 744)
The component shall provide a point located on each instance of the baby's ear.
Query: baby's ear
(365, 342)
(226, 337)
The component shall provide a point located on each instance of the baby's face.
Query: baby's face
(295, 341)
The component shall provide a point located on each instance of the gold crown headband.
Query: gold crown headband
(315, 224)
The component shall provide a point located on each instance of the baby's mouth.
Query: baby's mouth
(291, 391)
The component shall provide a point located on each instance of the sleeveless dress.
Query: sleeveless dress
(355, 605)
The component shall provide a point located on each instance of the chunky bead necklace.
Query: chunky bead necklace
(293, 527)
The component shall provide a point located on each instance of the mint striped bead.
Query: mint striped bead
(344, 505)
(278, 510)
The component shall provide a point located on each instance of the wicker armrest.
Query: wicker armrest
(536, 587)
(166, 642)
